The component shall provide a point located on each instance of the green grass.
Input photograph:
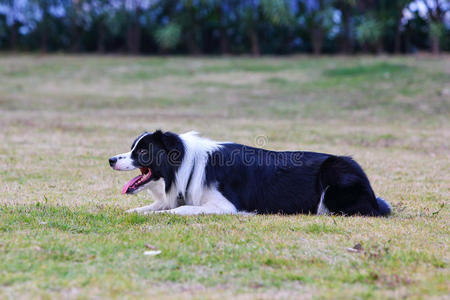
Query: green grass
(63, 229)
(373, 69)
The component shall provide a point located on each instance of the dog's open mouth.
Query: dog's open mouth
(137, 181)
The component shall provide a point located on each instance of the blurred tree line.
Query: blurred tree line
(225, 26)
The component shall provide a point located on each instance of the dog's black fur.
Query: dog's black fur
(161, 152)
(292, 182)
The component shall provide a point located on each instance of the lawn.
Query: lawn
(63, 229)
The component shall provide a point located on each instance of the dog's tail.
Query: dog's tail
(384, 208)
(345, 189)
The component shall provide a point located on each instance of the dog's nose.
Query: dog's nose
(112, 161)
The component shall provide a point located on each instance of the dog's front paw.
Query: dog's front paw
(151, 212)
(145, 209)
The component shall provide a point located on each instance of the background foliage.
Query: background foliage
(225, 27)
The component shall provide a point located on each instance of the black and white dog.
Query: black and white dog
(191, 175)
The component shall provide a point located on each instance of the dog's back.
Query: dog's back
(265, 181)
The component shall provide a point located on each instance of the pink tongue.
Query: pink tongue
(130, 183)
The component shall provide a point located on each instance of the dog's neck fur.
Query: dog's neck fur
(190, 176)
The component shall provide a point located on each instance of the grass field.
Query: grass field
(63, 230)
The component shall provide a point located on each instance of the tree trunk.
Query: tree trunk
(380, 47)
(397, 37)
(397, 40)
(407, 42)
(101, 36)
(129, 37)
(364, 48)
(191, 43)
(44, 37)
(436, 18)
(254, 41)
(75, 14)
(134, 31)
(317, 33)
(224, 49)
(317, 40)
(435, 45)
(346, 40)
(133, 36)
(44, 26)
(191, 35)
(14, 35)
(137, 32)
(134, 39)
(76, 39)
(137, 36)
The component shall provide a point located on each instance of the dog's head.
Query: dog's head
(157, 155)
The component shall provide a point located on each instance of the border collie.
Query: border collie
(189, 175)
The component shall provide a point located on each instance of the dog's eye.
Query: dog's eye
(142, 151)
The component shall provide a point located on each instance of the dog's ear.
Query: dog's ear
(167, 139)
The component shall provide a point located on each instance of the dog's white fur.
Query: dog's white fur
(197, 198)
(322, 209)
(156, 189)
(124, 162)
